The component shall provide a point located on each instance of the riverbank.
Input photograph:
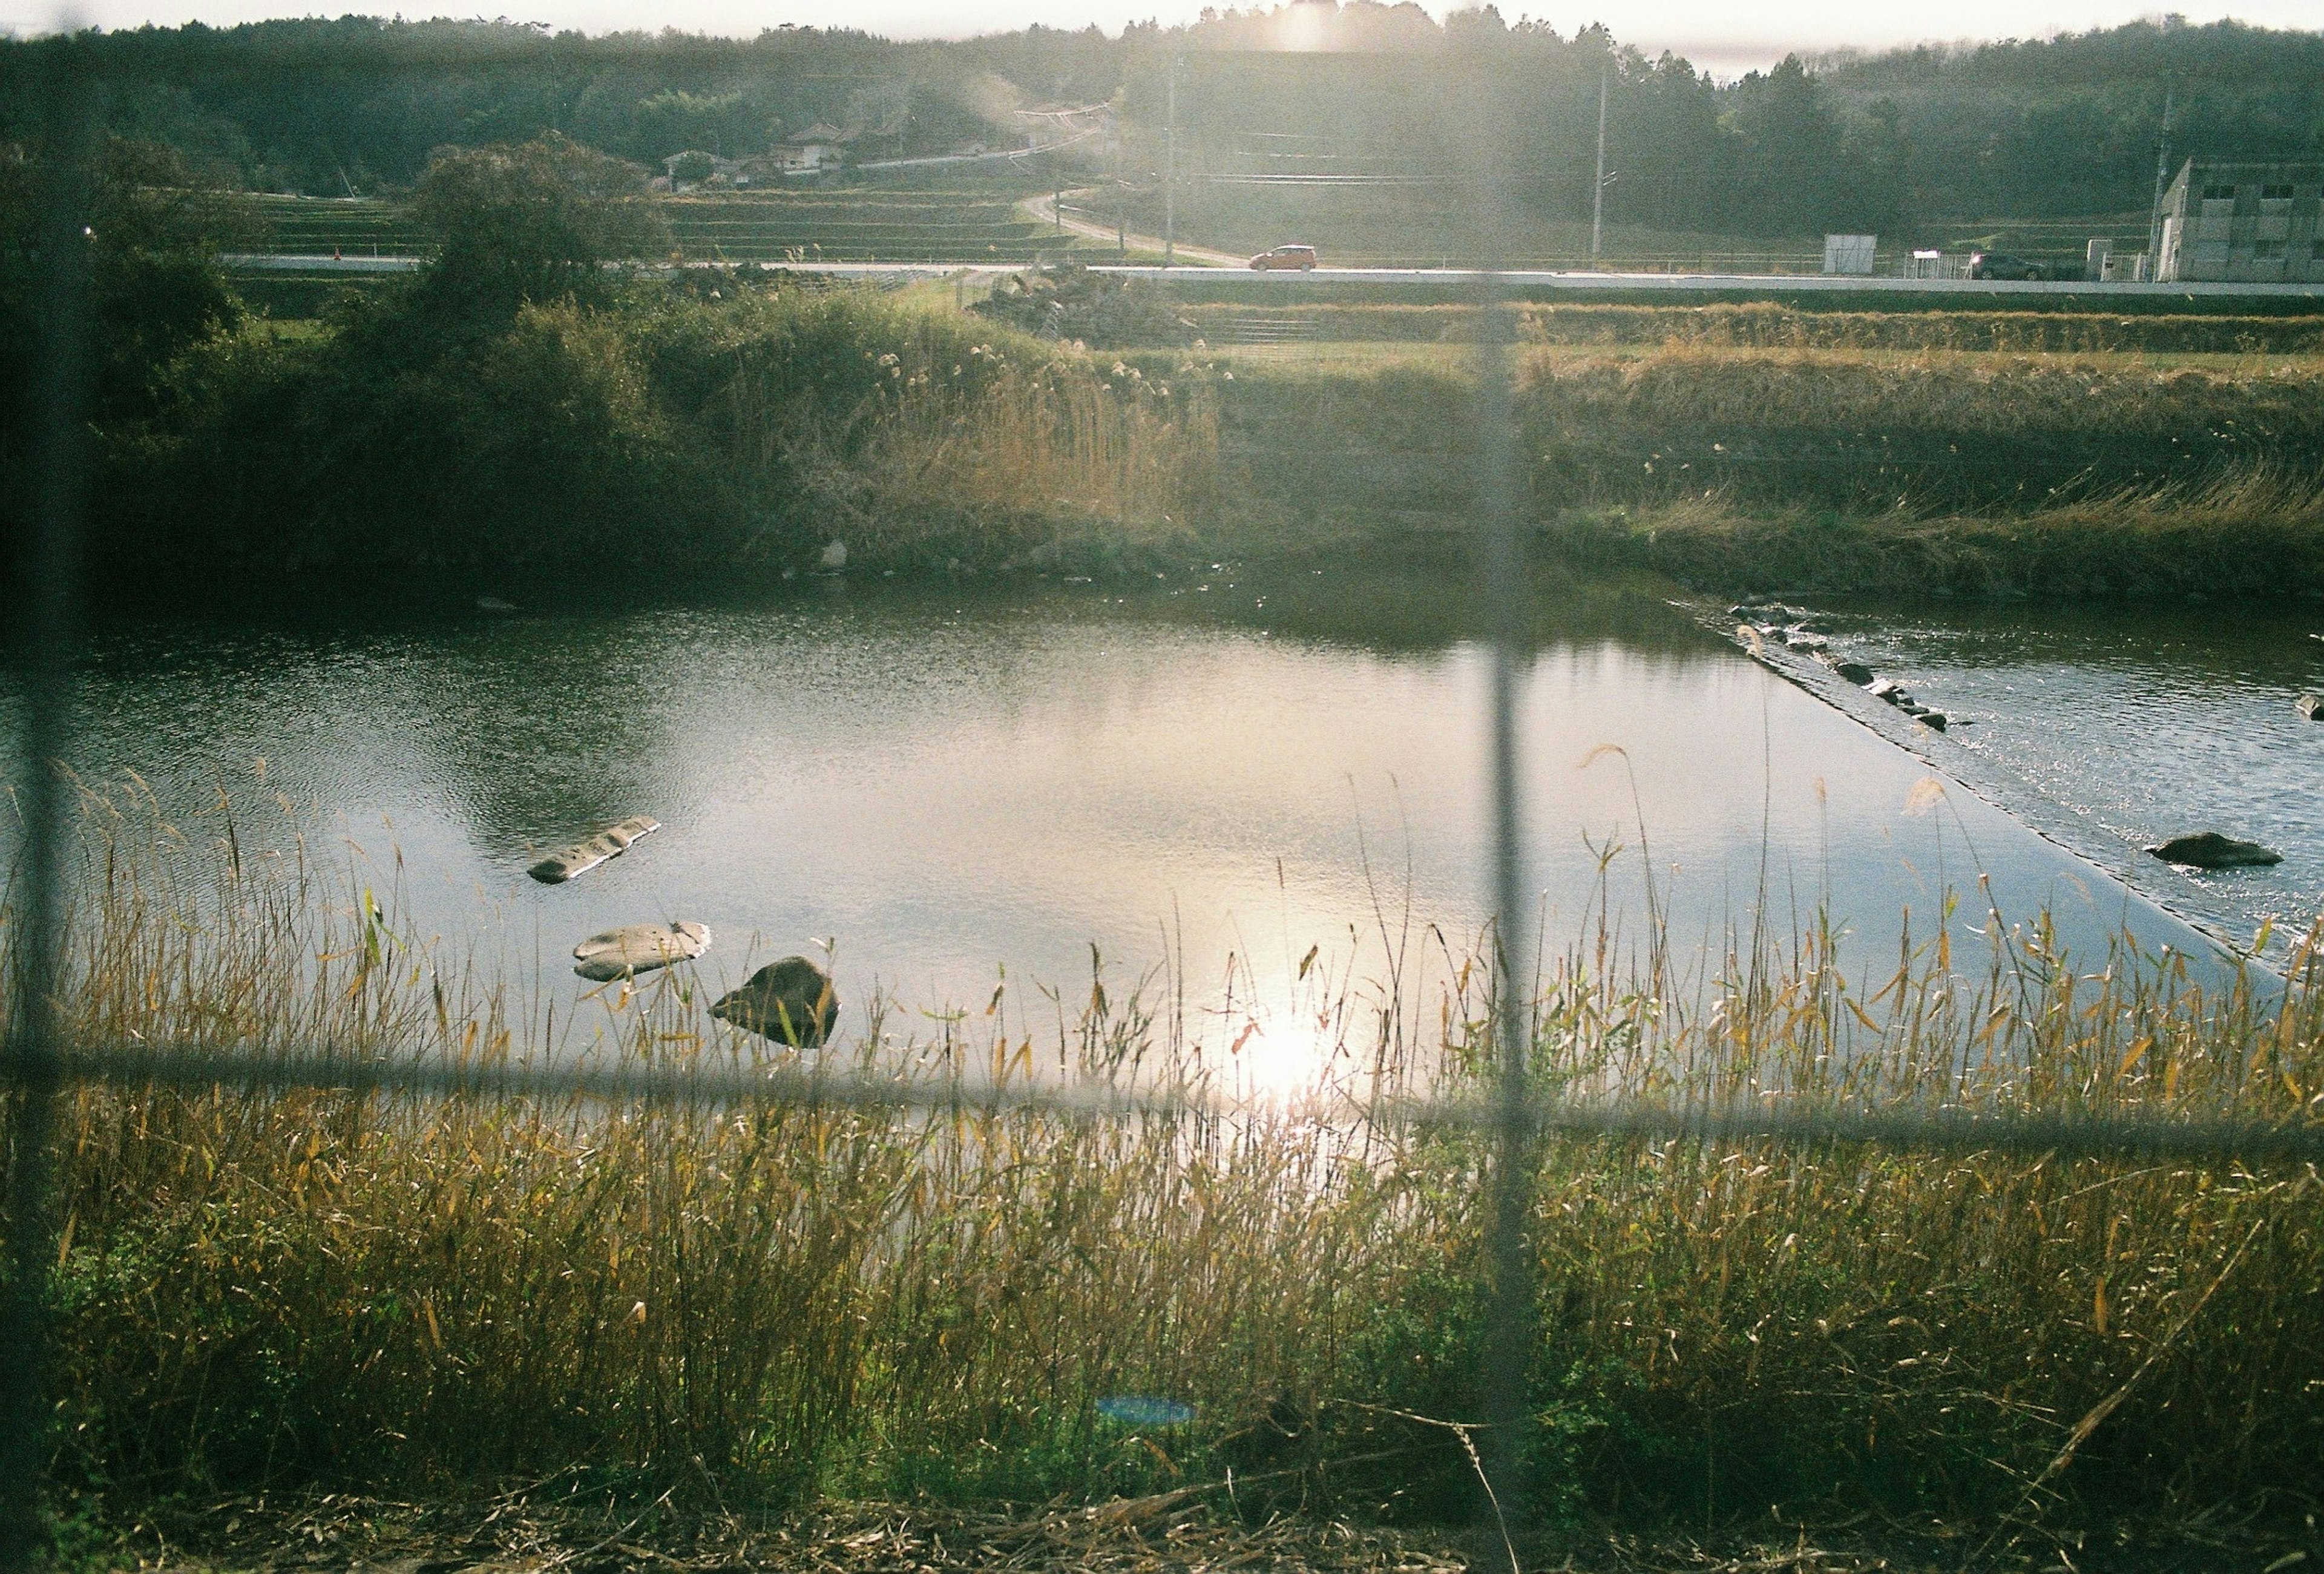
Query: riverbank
(741, 426)
(356, 1288)
(2250, 534)
(1185, 1528)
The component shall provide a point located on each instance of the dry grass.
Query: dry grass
(2253, 529)
(543, 1531)
(981, 448)
(1767, 326)
(746, 1307)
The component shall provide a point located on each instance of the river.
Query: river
(1196, 777)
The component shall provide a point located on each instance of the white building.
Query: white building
(2243, 223)
(819, 147)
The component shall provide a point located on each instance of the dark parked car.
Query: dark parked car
(2002, 265)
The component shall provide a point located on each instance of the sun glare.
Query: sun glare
(1304, 29)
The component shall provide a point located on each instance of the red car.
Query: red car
(1300, 257)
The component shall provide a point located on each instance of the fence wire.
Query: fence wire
(38, 1062)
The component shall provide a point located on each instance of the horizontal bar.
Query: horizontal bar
(1926, 1129)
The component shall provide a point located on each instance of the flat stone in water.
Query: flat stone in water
(637, 948)
(2209, 850)
(611, 843)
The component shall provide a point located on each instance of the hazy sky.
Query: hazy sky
(1719, 35)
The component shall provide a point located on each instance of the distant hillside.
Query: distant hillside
(1362, 109)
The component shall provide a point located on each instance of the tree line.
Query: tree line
(1316, 91)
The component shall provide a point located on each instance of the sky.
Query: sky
(1718, 35)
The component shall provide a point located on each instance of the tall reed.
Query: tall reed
(759, 1301)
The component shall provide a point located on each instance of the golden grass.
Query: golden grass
(2252, 530)
(751, 1304)
(1767, 326)
(967, 439)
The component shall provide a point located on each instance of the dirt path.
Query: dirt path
(1044, 210)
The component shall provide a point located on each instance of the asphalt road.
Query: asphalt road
(1520, 279)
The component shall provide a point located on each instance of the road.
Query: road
(1044, 210)
(1212, 267)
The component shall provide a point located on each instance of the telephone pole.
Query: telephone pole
(1597, 187)
(1170, 176)
(2162, 178)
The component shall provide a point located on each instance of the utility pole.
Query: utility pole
(1597, 187)
(2162, 178)
(1170, 176)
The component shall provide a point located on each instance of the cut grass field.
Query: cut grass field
(974, 224)
(756, 1305)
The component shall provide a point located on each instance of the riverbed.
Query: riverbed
(1193, 781)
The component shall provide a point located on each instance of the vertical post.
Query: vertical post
(45, 630)
(1170, 174)
(2162, 178)
(1509, 1332)
(1057, 207)
(1598, 186)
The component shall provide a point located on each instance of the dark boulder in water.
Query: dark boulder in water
(790, 1002)
(2209, 850)
(1856, 672)
(2310, 706)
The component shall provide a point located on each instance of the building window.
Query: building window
(2275, 194)
(2219, 194)
(2267, 251)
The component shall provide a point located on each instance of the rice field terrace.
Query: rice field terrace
(978, 226)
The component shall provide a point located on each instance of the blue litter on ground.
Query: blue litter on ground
(1144, 1411)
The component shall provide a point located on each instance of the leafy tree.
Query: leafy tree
(537, 221)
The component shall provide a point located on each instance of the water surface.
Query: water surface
(2117, 728)
(1206, 773)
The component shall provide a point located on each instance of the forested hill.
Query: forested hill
(2065, 125)
(2057, 128)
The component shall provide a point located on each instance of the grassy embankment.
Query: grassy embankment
(722, 425)
(753, 1306)
(701, 428)
(1761, 449)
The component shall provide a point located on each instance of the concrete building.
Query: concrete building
(2246, 223)
(821, 146)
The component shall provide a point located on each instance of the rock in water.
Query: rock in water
(611, 843)
(2310, 706)
(2209, 850)
(790, 1002)
(834, 557)
(638, 948)
(1856, 672)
